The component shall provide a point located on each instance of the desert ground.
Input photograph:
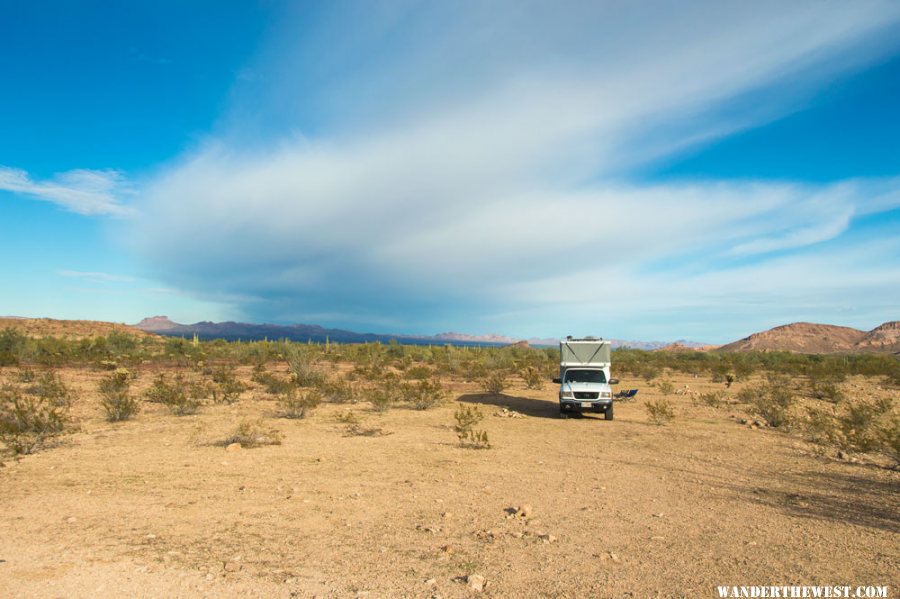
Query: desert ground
(578, 507)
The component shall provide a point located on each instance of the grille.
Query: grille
(586, 395)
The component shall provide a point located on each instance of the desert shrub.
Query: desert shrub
(660, 411)
(25, 375)
(274, 384)
(253, 433)
(295, 404)
(714, 399)
(494, 382)
(418, 373)
(748, 394)
(51, 388)
(825, 390)
(773, 401)
(176, 394)
(382, 398)
(115, 396)
(466, 418)
(424, 394)
(650, 372)
(27, 421)
(666, 387)
(337, 391)
(227, 388)
(302, 367)
(12, 346)
(720, 373)
(533, 378)
(863, 425)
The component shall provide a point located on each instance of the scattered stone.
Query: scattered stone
(526, 511)
(430, 582)
(446, 514)
(546, 538)
(233, 566)
(475, 582)
(71, 519)
(447, 549)
(657, 538)
(841, 455)
(150, 537)
(614, 557)
(658, 515)
(233, 447)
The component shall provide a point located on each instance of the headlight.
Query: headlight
(605, 394)
(566, 395)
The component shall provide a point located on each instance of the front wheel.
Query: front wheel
(608, 415)
(562, 412)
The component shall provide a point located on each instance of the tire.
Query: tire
(562, 413)
(608, 415)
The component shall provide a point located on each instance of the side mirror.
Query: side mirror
(557, 381)
(613, 381)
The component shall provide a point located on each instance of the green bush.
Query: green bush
(494, 382)
(51, 388)
(302, 368)
(337, 391)
(773, 401)
(179, 396)
(533, 378)
(466, 418)
(27, 421)
(115, 396)
(660, 411)
(666, 387)
(295, 404)
(424, 394)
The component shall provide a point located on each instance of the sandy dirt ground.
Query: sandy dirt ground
(155, 508)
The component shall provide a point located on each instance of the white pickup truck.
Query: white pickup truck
(584, 380)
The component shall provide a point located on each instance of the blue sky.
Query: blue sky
(635, 170)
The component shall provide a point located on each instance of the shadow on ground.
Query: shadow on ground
(537, 408)
(844, 497)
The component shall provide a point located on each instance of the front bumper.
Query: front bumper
(583, 405)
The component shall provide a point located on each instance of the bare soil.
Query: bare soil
(155, 507)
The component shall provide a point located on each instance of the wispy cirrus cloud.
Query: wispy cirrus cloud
(88, 192)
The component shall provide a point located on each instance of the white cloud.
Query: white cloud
(88, 192)
(487, 153)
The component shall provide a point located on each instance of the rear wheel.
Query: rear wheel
(609, 412)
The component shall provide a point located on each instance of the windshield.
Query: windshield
(585, 376)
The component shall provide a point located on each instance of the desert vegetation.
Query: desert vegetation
(435, 426)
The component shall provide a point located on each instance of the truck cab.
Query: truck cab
(584, 376)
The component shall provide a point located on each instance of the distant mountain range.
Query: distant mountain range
(810, 338)
(161, 325)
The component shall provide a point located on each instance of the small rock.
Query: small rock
(526, 511)
(233, 447)
(547, 538)
(657, 538)
(430, 582)
(475, 582)
(658, 515)
(447, 549)
(150, 536)
(841, 455)
(446, 514)
(232, 566)
(615, 558)
(71, 519)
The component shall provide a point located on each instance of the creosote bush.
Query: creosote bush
(179, 396)
(50, 387)
(466, 418)
(494, 382)
(660, 411)
(533, 378)
(337, 391)
(302, 368)
(297, 404)
(424, 394)
(253, 433)
(27, 421)
(773, 401)
(666, 387)
(116, 398)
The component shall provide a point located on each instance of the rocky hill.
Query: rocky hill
(71, 329)
(811, 338)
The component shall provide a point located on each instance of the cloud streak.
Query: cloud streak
(87, 192)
